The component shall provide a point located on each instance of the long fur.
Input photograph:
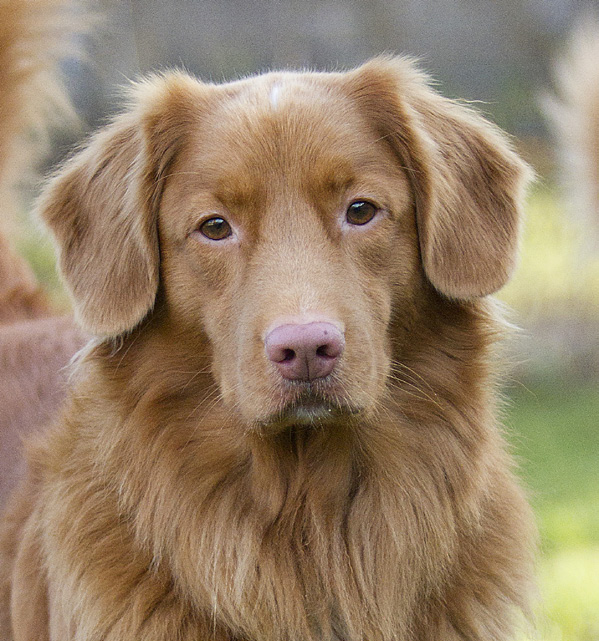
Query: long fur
(179, 496)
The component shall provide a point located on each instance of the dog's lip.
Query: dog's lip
(309, 410)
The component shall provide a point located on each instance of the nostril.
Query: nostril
(332, 348)
(288, 355)
(324, 351)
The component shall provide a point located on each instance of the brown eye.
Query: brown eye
(360, 212)
(216, 229)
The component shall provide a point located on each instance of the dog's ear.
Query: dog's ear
(468, 183)
(102, 207)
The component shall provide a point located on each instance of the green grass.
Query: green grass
(555, 432)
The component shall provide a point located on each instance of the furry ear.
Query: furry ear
(102, 207)
(468, 183)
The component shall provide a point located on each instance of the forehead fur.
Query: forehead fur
(303, 129)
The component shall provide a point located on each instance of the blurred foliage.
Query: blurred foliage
(555, 426)
(555, 294)
(36, 246)
(554, 275)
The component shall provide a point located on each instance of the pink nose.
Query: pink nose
(304, 352)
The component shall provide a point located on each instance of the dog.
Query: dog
(35, 343)
(284, 427)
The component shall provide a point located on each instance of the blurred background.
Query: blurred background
(500, 54)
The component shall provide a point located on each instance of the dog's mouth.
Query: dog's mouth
(311, 408)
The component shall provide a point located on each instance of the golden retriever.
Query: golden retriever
(284, 429)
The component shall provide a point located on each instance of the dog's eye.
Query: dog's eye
(216, 229)
(360, 212)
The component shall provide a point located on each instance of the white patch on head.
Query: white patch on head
(275, 91)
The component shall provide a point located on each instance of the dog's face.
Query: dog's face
(286, 231)
(291, 220)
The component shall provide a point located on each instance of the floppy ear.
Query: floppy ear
(468, 183)
(102, 208)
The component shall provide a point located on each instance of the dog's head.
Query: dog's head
(289, 220)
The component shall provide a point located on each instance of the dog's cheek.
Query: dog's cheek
(219, 311)
(389, 277)
(223, 314)
(200, 296)
(365, 303)
(409, 288)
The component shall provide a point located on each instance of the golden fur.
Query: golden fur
(183, 494)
